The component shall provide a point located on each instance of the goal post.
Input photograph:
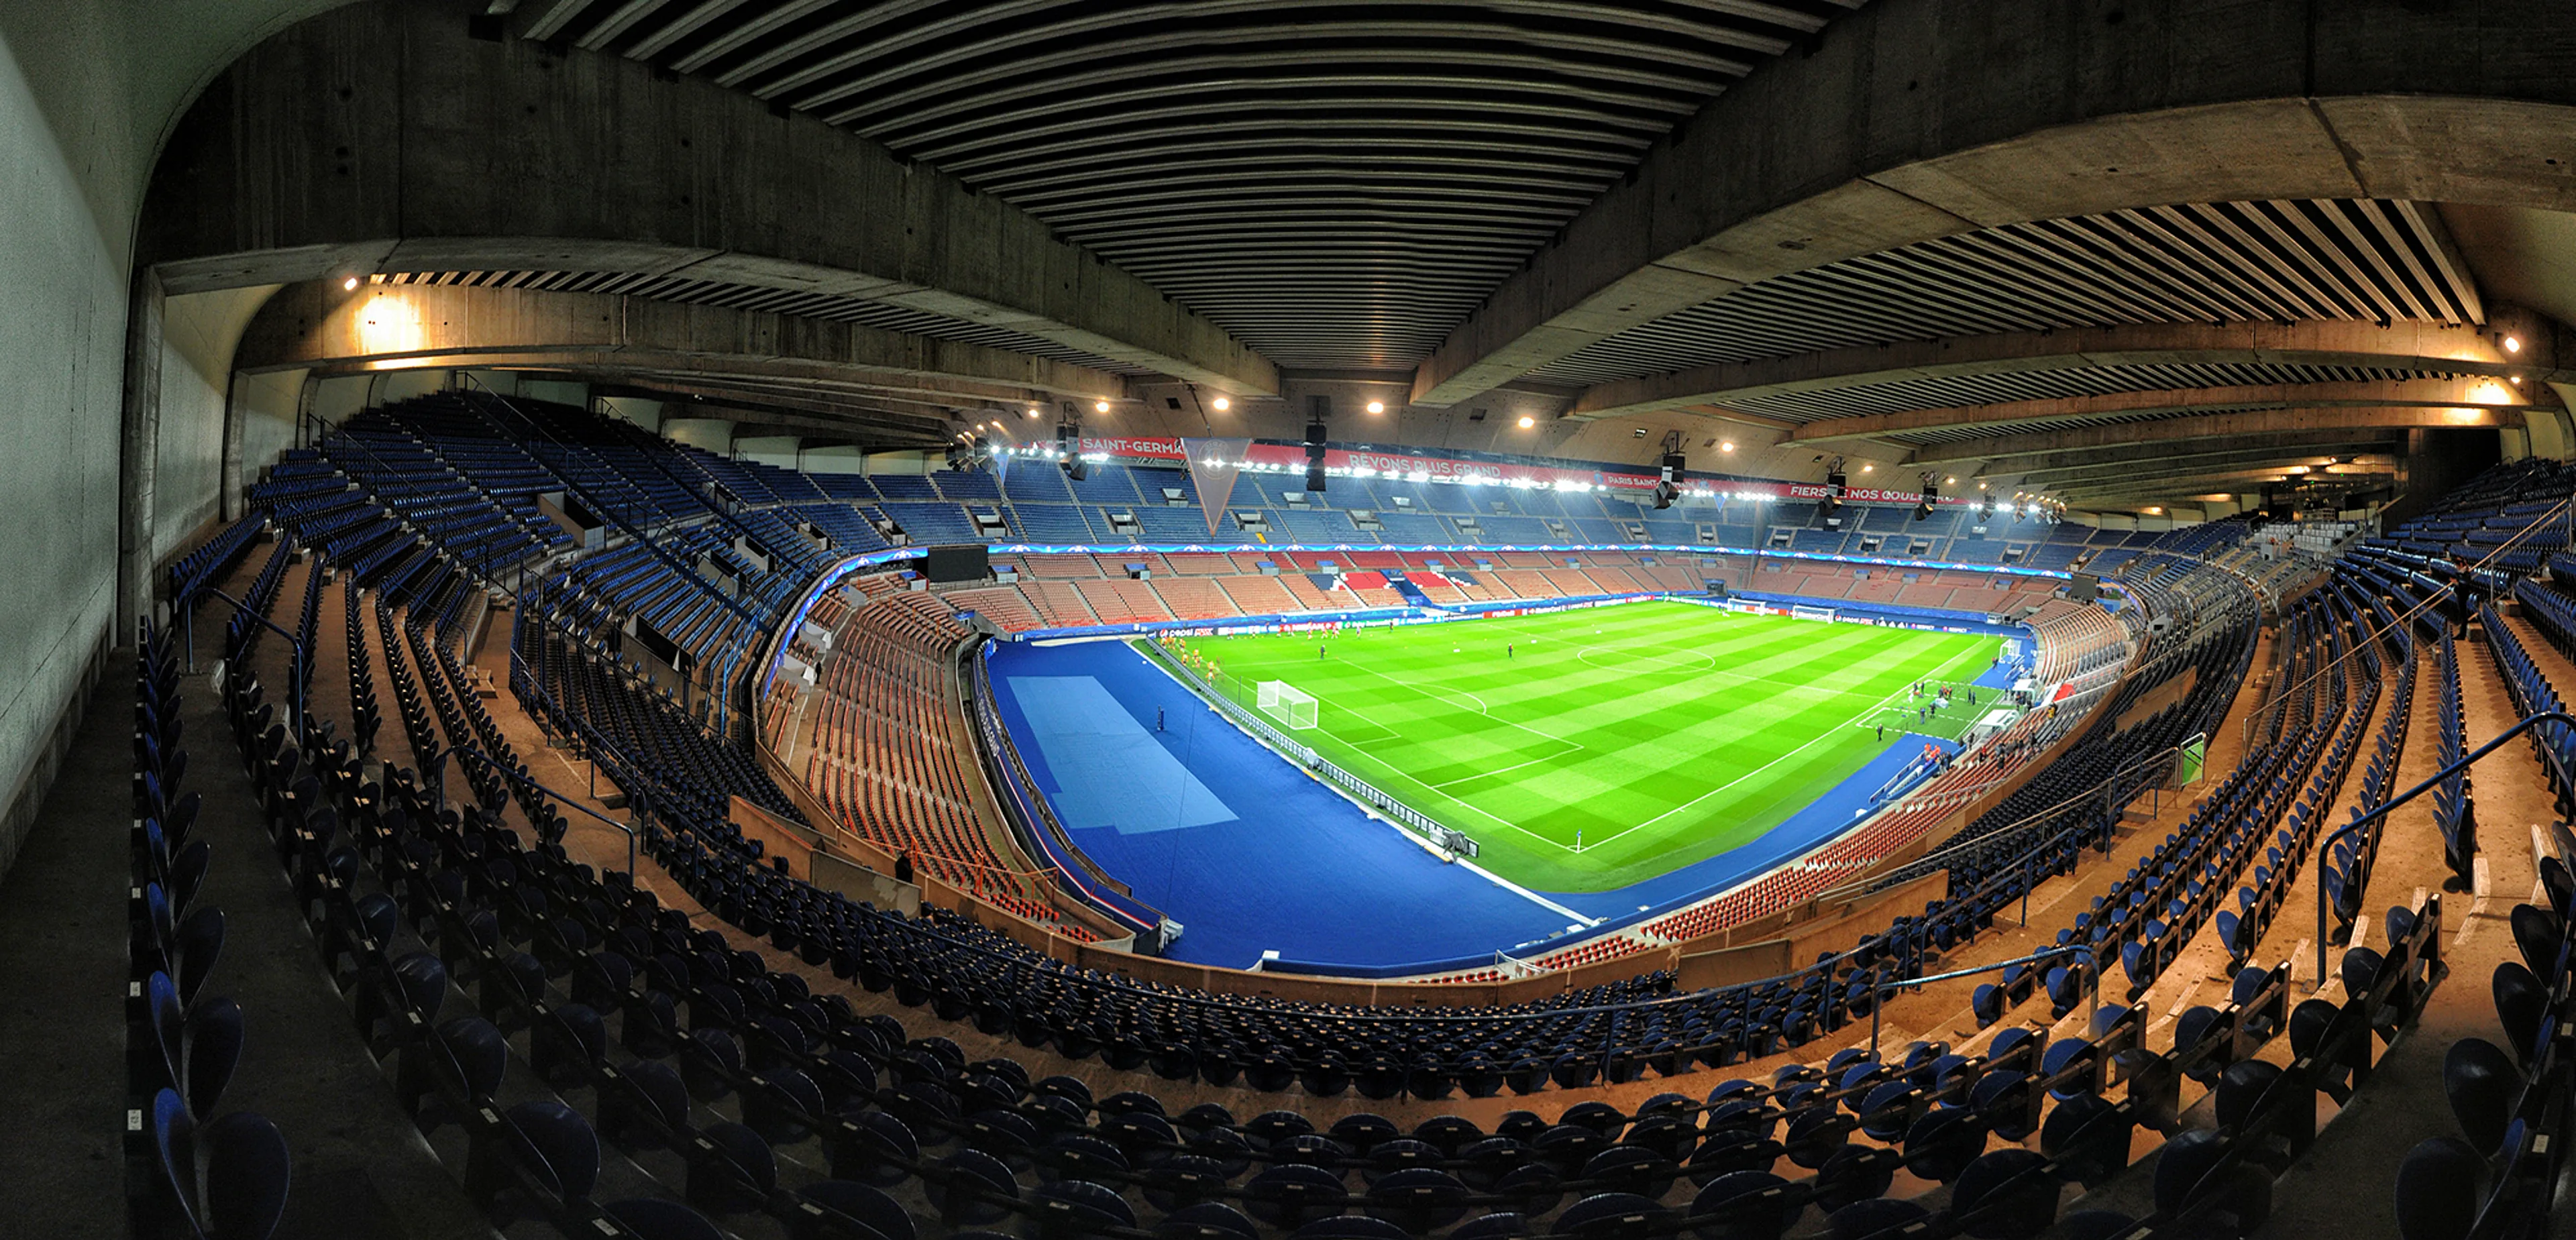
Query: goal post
(1285, 703)
(1812, 613)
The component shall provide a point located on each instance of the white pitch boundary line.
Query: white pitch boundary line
(1371, 812)
(1820, 735)
(1481, 709)
(1736, 679)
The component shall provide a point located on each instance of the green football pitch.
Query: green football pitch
(1585, 750)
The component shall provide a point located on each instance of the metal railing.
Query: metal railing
(2520, 726)
(639, 801)
(297, 670)
(1879, 991)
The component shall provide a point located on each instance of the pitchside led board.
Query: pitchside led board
(960, 563)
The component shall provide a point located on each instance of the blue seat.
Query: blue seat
(2006, 1195)
(2439, 1186)
(248, 1170)
(842, 1210)
(2482, 1084)
(654, 1219)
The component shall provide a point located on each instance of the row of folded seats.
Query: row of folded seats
(2150, 913)
(563, 1040)
(1809, 1113)
(2514, 1105)
(193, 1174)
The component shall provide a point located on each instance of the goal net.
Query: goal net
(1744, 606)
(1282, 701)
(1812, 613)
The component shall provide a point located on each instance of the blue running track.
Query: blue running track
(1252, 855)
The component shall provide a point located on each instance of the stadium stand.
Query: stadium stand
(772, 1099)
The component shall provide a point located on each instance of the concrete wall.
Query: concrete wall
(87, 93)
(636, 409)
(778, 450)
(196, 359)
(62, 277)
(264, 416)
(713, 434)
(837, 459)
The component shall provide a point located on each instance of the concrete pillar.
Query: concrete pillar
(140, 453)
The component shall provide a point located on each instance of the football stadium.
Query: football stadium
(831, 620)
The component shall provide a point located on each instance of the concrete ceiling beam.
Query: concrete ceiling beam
(393, 326)
(2325, 441)
(2405, 345)
(1911, 122)
(2443, 393)
(2262, 422)
(382, 137)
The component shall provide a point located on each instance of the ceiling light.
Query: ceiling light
(1222, 404)
(349, 285)
(1033, 412)
(2513, 344)
(1377, 406)
(2517, 380)
(1728, 446)
(1100, 406)
(1868, 468)
(2154, 511)
(1527, 421)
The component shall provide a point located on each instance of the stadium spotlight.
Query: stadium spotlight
(1377, 406)
(1315, 456)
(2513, 344)
(1727, 446)
(1222, 404)
(1931, 496)
(1033, 411)
(1100, 406)
(1527, 421)
(349, 285)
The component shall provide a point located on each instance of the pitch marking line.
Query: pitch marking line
(1820, 735)
(1734, 679)
(1373, 814)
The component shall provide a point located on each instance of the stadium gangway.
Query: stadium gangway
(2467, 760)
(639, 801)
(1880, 991)
(296, 670)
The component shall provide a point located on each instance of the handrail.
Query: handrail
(297, 668)
(2364, 819)
(2567, 506)
(1880, 990)
(640, 801)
